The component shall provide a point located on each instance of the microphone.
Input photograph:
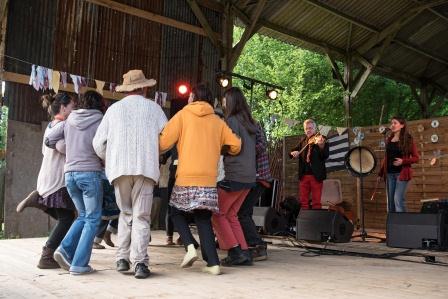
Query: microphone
(383, 130)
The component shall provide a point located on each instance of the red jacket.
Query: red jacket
(406, 170)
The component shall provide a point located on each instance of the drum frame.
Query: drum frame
(349, 167)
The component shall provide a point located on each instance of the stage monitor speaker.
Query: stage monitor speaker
(416, 230)
(320, 225)
(435, 206)
(269, 220)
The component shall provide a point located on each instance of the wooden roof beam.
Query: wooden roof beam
(24, 79)
(372, 29)
(432, 10)
(130, 10)
(205, 25)
(397, 25)
(211, 4)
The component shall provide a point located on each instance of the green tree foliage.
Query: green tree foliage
(311, 91)
(3, 127)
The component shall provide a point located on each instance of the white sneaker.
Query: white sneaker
(214, 270)
(190, 257)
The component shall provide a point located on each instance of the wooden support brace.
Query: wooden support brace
(149, 16)
(205, 25)
(360, 83)
(335, 69)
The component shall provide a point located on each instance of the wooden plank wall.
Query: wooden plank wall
(428, 182)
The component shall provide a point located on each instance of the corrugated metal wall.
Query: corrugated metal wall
(99, 43)
(79, 38)
(186, 57)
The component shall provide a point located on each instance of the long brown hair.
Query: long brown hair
(405, 138)
(236, 105)
(54, 102)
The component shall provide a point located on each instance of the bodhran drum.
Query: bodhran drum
(360, 161)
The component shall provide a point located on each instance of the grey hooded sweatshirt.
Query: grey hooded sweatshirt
(78, 131)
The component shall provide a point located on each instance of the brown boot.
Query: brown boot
(46, 260)
(169, 241)
(107, 239)
(30, 202)
(97, 246)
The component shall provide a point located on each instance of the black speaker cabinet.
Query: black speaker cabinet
(319, 225)
(269, 220)
(416, 230)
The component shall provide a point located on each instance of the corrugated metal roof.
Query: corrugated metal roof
(419, 50)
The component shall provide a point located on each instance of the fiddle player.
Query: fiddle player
(312, 151)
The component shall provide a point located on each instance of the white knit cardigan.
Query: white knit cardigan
(128, 138)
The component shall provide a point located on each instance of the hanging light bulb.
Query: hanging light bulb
(272, 94)
(222, 80)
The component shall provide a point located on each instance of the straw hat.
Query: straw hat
(135, 79)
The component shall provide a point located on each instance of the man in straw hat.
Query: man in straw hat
(128, 140)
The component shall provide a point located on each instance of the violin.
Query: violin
(313, 140)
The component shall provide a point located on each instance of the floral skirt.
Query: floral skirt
(195, 198)
(59, 200)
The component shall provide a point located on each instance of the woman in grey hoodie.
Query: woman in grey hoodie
(83, 180)
(240, 177)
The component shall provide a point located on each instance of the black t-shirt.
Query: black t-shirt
(393, 151)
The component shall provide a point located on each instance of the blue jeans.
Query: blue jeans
(86, 191)
(396, 191)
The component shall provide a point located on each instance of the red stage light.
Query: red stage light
(183, 89)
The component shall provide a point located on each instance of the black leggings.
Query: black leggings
(245, 216)
(64, 218)
(202, 218)
(169, 226)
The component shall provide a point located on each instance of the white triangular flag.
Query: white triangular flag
(341, 130)
(290, 122)
(100, 86)
(324, 130)
(56, 81)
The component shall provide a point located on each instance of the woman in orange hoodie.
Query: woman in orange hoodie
(200, 135)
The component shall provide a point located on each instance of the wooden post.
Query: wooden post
(347, 91)
(227, 39)
(3, 21)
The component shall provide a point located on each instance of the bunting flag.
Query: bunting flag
(324, 130)
(290, 122)
(339, 146)
(56, 81)
(100, 86)
(341, 130)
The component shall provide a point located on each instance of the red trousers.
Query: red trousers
(226, 224)
(308, 184)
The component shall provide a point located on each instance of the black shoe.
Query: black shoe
(123, 265)
(259, 253)
(236, 257)
(141, 271)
